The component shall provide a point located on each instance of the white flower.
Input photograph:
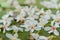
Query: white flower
(38, 27)
(45, 15)
(32, 17)
(35, 36)
(31, 13)
(31, 22)
(56, 17)
(26, 9)
(42, 38)
(52, 29)
(48, 14)
(21, 16)
(18, 8)
(38, 37)
(10, 13)
(54, 1)
(30, 25)
(43, 21)
(15, 3)
(4, 28)
(30, 2)
(12, 37)
(31, 10)
(9, 2)
(16, 29)
(41, 11)
(6, 21)
(50, 4)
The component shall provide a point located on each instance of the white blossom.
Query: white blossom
(12, 37)
(50, 4)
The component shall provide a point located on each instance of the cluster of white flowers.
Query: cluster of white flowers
(31, 19)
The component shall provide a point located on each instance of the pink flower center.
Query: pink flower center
(32, 15)
(58, 19)
(4, 26)
(32, 27)
(53, 28)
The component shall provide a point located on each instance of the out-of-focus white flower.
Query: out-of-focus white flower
(15, 3)
(43, 38)
(26, 9)
(18, 8)
(16, 29)
(38, 27)
(21, 16)
(57, 16)
(38, 37)
(52, 29)
(6, 21)
(56, 19)
(10, 13)
(12, 3)
(4, 28)
(9, 1)
(31, 22)
(31, 10)
(32, 17)
(50, 4)
(40, 12)
(31, 14)
(43, 21)
(48, 12)
(12, 37)
(30, 2)
(45, 15)
(54, 1)
(35, 36)
(29, 25)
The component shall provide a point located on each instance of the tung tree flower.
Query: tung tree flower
(52, 29)
(16, 29)
(38, 37)
(12, 37)
(21, 16)
(5, 22)
(29, 25)
(30, 1)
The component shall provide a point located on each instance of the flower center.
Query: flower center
(32, 15)
(32, 27)
(53, 28)
(6, 20)
(4, 26)
(58, 19)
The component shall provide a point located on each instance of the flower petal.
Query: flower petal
(9, 36)
(56, 32)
